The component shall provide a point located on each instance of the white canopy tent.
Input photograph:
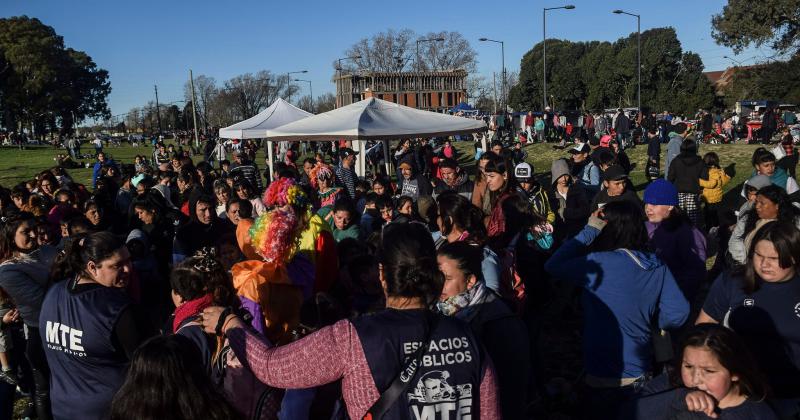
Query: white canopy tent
(278, 114)
(255, 127)
(374, 119)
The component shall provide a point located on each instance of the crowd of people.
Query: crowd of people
(188, 287)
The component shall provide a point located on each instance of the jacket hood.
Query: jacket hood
(139, 235)
(647, 261)
(559, 169)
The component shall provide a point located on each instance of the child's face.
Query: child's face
(766, 168)
(386, 214)
(405, 208)
(701, 369)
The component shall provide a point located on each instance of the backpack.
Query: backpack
(512, 288)
(249, 397)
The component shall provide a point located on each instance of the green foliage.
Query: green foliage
(44, 83)
(598, 75)
(779, 81)
(743, 23)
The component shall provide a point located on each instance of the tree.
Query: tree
(600, 75)
(480, 93)
(325, 103)
(44, 84)
(779, 81)
(250, 93)
(393, 51)
(205, 88)
(743, 23)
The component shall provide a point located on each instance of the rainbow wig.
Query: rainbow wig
(320, 170)
(284, 191)
(274, 235)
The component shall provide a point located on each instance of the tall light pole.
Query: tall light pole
(544, 49)
(289, 82)
(504, 99)
(638, 55)
(339, 78)
(310, 92)
(416, 63)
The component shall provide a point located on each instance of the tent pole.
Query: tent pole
(386, 160)
(270, 159)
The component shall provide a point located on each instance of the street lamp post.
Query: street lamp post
(638, 55)
(504, 100)
(737, 62)
(417, 65)
(310, 92)
(544, 49)
(289, 82)
(339, 78)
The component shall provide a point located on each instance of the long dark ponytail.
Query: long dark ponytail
(81, 249)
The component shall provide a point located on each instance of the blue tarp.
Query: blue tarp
(463, 106)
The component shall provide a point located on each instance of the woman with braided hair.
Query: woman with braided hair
(197, 283)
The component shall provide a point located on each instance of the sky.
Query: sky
(144, 43)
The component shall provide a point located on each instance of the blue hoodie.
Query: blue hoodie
(623, 293)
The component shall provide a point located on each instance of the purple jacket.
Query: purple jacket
(684, 252)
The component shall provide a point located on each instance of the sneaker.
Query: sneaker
(8, 377)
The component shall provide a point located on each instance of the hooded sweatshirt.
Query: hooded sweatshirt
(571, 211)
(686, 171)
(463, 186)
(673, 149)
(623, 291)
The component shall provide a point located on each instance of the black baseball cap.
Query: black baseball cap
(614, 173)
(346, 152)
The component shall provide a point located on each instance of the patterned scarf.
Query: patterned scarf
(459, 305)
(190, 309)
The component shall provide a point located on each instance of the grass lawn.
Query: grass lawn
(19, 165)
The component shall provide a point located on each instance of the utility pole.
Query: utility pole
(494, 88)
(194, 111)
(158, 114)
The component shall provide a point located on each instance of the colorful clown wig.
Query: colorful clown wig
(274, 235)
(320, 170)
(284, 191)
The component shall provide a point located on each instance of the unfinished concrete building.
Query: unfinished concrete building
(436, 91)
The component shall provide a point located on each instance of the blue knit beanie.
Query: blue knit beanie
(661, 192)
